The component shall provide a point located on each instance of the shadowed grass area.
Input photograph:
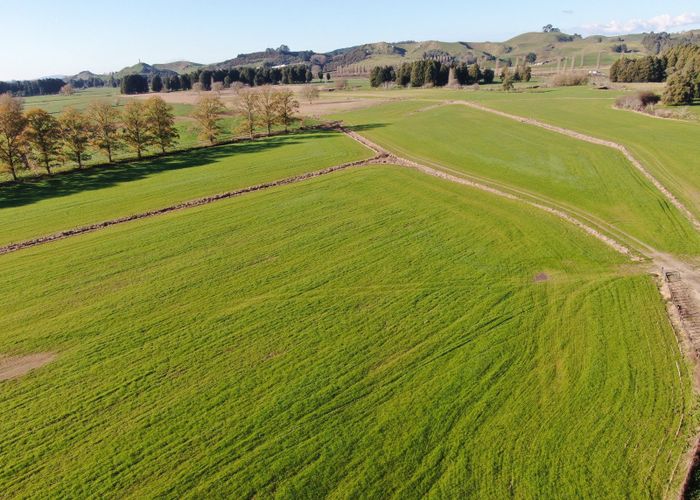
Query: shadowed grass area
(68, 200)
(375, 332)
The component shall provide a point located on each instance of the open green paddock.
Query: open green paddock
(36, 208)
(668, 148)
(590, 181)
(371, 332)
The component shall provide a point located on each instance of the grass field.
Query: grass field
(669, 148)
(77, 198)
(583, 178)
(374, 332)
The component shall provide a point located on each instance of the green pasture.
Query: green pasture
(64, 201)
(593, 182)
(668, 148)
(373, 333)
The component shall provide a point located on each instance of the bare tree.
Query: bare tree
(310, 93)
(76, 135)
(208, 113)
(67, 89)
(105, 126)
(247, 106)
(135, 130)
(287, 107)
(12, 124)
(161, 123)
(43, 134)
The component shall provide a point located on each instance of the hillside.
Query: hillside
(548, 50)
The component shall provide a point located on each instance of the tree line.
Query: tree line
(208, 79)
(679, 66)
(36, 139)
(429, 72)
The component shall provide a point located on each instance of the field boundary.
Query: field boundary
(61, 235)
(600, 142)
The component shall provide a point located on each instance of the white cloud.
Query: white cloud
(663, 22)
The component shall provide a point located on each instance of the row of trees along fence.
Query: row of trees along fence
(36, 139)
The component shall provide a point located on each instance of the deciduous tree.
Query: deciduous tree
(267, 107)
(161, 123)
(105, 119)
(43, 134)
(207, 113)
(135, 129)
(246, 107)
(75, 135)
(287, 107)
(310, 93)
(12, 125)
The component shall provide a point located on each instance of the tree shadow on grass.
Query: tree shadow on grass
(76, 181)
(365, 127)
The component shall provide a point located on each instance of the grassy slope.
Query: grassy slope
(373, 332)
(37, 208)
(570, 172)
(668, 148)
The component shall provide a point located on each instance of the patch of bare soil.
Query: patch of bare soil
(541, 278)
(12, 367)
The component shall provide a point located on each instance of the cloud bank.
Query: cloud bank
(663, 22)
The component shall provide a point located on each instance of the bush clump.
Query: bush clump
(637, 102)
(570, 79)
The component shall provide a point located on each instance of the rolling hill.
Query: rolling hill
(547, 50)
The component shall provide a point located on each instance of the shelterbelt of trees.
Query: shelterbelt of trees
(207, 79)
(35, 140)
(679, 66)
(434, 73)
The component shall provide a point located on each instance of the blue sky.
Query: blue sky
(47, 37)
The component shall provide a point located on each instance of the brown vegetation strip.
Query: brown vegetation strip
(13, 247)
(601, 142)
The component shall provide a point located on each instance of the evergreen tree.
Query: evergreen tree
(157, 83)
(134, 84)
